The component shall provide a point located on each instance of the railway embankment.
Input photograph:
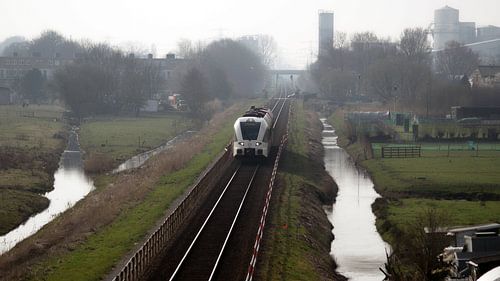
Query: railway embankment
(297, 237)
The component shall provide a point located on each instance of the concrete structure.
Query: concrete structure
(168, 67)
(325, 35)
(446, 27)
(13, 68)
(487, 33)
(482, 40)
(467, 32)
(488, 51)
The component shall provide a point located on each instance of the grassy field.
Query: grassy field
(436, 175)
(460, 212)
(93, 259)
(30, 127)
(31, 140)
(122, 137)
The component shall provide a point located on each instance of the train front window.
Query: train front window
(250, 130)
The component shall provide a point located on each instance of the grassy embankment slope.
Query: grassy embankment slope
(297, 238)
(94, 257)
(431, 181)
(31, 141)
(117, 139)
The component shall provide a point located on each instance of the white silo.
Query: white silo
(446, 27)
(325, 38)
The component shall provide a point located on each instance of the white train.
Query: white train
(252, 133)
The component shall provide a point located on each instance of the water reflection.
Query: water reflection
(139, 159)
(358, 248)
(70, 186)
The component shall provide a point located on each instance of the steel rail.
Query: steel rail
(204, 224)
(279, 113)
(200, 231)
(232, 225)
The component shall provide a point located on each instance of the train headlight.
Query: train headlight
(241, 143)
(257, 143)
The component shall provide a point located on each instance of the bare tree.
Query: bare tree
(267, 49)
(195, 91)
(384, 79)
(425, 242)
(340, 41)
(456, 59)
(364, 37)
(414, 45)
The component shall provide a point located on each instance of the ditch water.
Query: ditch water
(138, 160)
(357, 248)
(70, 186)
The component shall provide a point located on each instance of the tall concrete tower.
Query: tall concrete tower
(325, 41)
(446, 27)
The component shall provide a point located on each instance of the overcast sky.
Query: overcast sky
(293, 23)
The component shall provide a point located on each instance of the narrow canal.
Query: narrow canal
(138, 160)
(70, 186)
(357, 248)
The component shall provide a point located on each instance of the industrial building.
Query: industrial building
(483, 40)
(325, 35)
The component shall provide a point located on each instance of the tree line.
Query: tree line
(222, 70)
(403, 74)
(104, 79)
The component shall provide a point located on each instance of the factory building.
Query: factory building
(325, 37)
(446, 27)
(487, 33)
(483, 40)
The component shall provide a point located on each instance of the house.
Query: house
(486, 76)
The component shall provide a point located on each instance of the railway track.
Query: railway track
(201, 260)
(218, 243)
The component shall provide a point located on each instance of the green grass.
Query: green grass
(122, 137)
(460, 212)
(18, 206)
(437, 174)
(287, 255)
(30, 132)
(94, 258)
(24, 179)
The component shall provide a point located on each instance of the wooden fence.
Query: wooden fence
(401, 151)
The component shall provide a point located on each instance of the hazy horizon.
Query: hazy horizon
(292, 24)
